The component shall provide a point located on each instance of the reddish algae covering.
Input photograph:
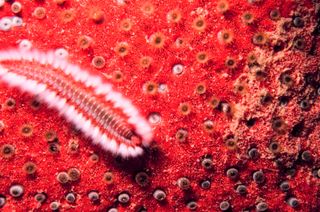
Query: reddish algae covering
(230, 89)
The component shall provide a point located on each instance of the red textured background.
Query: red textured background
(167, 159)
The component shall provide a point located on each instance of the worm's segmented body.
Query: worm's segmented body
(82, 97)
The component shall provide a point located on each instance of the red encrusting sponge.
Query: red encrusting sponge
(193, 105)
